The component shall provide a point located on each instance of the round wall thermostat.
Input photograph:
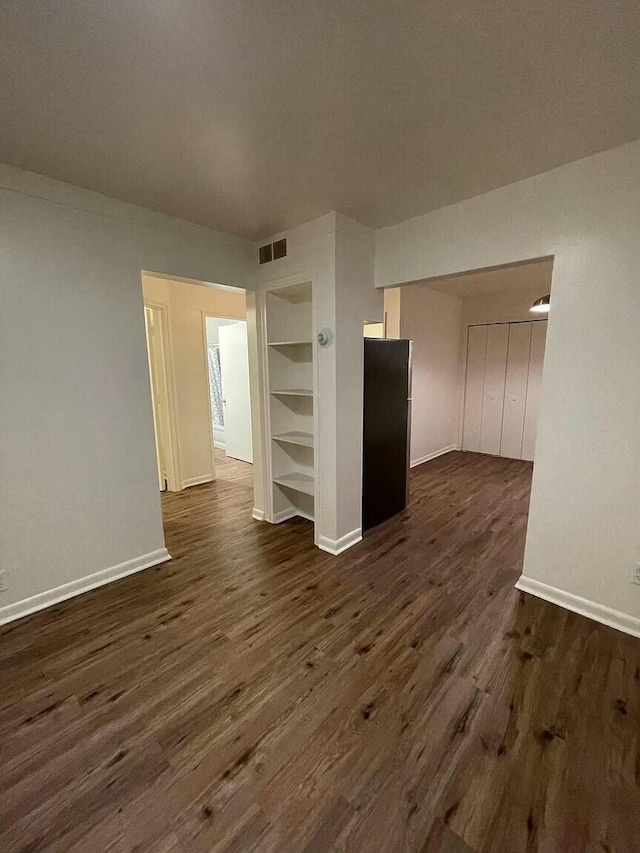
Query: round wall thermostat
(324, 337)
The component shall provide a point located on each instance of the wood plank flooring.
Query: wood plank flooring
(257, 694)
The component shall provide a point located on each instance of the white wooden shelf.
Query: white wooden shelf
(293, 392)
(297, 481)
(304, 439)
(290, 343)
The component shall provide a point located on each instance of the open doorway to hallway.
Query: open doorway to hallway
(198, 363)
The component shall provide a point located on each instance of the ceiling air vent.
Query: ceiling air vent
(280, 249)
(273, 251)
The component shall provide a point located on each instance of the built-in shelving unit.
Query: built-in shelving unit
(291, 400)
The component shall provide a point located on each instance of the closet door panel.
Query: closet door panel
(536, 358)
(494, 382)
(474, 387)
(515, 391)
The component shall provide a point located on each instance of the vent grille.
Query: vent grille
(273, 251)
(280, 249)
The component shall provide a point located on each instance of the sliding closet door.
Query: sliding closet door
(515, 391)
(494, 381)
(536, 358)
(474, 388)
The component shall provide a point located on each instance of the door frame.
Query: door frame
(172, 461)
(160, 464)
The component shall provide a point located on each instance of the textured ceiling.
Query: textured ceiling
(255, 115)
(498, 281)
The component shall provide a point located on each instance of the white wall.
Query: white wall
(432, 321)
(78, 483)
(584, 530)
(356, 301)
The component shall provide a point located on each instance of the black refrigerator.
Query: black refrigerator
(387, 424)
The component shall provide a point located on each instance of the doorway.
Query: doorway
(478, 350)
(477, 382)
(176, 313)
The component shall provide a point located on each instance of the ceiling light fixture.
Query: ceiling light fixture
(541, 306)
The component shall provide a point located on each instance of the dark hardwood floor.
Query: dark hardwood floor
(257, 694)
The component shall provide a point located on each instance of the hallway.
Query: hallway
(257, 694)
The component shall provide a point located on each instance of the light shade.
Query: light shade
(541, 306)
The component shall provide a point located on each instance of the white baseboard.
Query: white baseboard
(337, 546)
(421, 459)
(68, 590)
(286, 514)
(258, 514)
(221, 445)
(196, 481)
(283, 515)
(306, 515)
(591, 609)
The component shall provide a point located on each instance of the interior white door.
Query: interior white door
(536, 358)
(234, 371)
(474, 387)
(494, 382)
(515, 390)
